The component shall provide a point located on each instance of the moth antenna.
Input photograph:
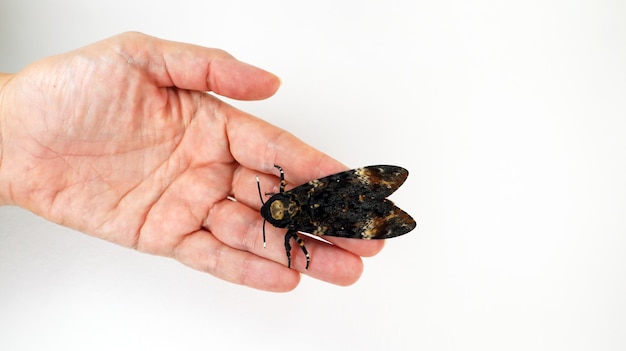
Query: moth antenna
(258, 185)
(264, 244)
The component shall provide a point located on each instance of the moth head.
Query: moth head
(279, 210)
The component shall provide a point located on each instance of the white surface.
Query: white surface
(511, 118)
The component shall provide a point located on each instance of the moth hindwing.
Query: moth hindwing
(350, 204)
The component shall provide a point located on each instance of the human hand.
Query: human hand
(120, 140)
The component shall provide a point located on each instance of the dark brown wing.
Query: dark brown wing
(353, 204)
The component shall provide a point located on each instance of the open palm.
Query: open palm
(121, 141)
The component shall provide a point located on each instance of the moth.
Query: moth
(350, 204)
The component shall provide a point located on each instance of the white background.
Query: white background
(510, 116)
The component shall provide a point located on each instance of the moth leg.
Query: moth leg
(294, 234)
(282, 178)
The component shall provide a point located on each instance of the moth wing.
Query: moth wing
(370, 220)
(392, 223)
(375, 181)
(353, 204)
(382, 180)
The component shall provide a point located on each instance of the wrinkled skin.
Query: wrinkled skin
(121, 141)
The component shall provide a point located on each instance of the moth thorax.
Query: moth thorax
(280, 209)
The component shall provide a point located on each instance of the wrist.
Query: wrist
(4, 79)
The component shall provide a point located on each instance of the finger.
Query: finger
(181, 207)
(202, 251)
(363, 248)
(240, 227)
(194, 67)
(259, 146)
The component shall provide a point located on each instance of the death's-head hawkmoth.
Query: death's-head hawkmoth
(350, 204)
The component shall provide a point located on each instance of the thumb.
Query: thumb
(193, 67)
